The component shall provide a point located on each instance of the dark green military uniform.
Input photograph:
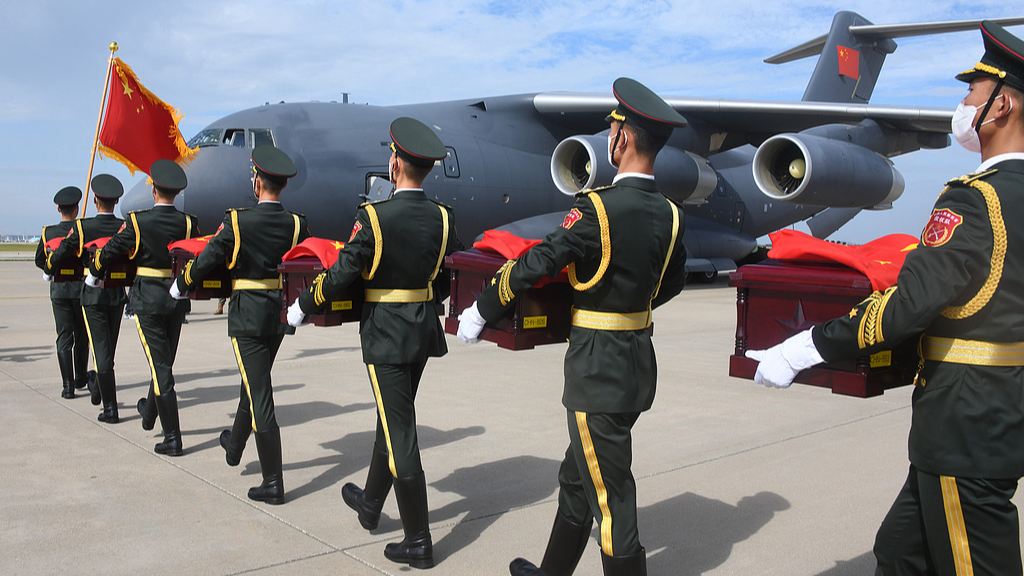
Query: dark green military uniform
(617, 242)
(623, 246)
(103, 307)
(961, 293)
(72, 338)
(158, 317)
(963, 289)
(397, 247)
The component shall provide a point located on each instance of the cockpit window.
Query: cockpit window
(260, 136)
(235, 137)
(208, 137)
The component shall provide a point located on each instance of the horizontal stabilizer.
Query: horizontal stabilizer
(885, 32)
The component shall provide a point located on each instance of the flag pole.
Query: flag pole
(96, 138)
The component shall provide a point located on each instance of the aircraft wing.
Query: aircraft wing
(753, 117)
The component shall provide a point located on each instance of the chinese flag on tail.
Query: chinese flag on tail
(139, 128)
(849, 62)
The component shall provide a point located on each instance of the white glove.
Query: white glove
(779, 365)
(175, 292)
(47, 277)
(91, 280)
(295, 315)
(471, 323)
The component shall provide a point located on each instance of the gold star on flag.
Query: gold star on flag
(337, 245)
(127, 90)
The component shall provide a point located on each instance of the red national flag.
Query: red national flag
(880, 260)
(139, 128)
(99, 242)
(505, 243)
(849, 62)
(191, 245)
(324, 249)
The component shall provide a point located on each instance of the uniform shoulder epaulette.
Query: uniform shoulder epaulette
(138, 211)
(230, 210)
(374, 202)
(440, 203)
(591, 190)
(191, 215)
(968, 178)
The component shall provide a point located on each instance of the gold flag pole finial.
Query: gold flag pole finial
(92, 159)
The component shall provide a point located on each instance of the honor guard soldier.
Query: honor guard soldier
(72, 341)
(959, 294)
(624, 248)
(251, 241)
(103, 306)
(158, 317)
(398, 247)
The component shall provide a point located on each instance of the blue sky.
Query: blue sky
(212, 58)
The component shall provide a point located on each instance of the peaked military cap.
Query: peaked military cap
(168, 176)
(107, 187)
(415, 142)
(640, 107)
(271, 162)
(1003, 59)
(67, 196)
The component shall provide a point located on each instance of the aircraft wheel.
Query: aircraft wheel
(705, 277)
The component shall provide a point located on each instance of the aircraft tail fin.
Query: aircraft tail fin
(852, 54)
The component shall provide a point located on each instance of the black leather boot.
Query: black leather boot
(632, 565)
(105, 384)
(565, 548)
(233, 441)
(147, 409)
(416, 549)
(167, 409)
(65, 359)
(369, 502)
(95, 395)
(271, 491)
(82, 372)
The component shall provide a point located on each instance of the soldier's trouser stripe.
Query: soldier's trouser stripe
(595, 476)
(88, 332)
(245, 382)
(956, 526)
(149, 356)
(383, 418)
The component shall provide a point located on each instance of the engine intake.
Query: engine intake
(815, 171)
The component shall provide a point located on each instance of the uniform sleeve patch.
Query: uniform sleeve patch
(571, 218)
(355, 230)
(123, 226)
(940, 227)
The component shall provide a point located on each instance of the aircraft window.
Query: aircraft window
(260, 136)
(235, 137)
(208, 137)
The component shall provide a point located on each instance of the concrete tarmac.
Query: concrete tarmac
(732, 478)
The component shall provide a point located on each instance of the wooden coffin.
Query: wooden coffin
(216, 284)
(540, 316)
(118, 274)
(776, 299)
(296, 277)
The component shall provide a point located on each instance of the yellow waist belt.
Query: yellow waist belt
(611, 320)
(265, 284)
(976, 352)
(398, 295)
(153, 272)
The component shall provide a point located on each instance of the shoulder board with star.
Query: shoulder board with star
(967, 179)
(591, 190)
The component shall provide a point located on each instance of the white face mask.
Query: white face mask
(962, 126)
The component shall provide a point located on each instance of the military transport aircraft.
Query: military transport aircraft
(742, 168)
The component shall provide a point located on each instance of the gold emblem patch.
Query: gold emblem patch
(571, 218)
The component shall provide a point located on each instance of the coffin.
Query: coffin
(216, 284)
(296, 277)
(117, 274)
(540, 316)
(776, 299)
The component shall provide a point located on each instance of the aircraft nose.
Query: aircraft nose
(139, 197)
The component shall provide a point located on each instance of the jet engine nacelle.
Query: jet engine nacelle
(581, 162)
(815, 171)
